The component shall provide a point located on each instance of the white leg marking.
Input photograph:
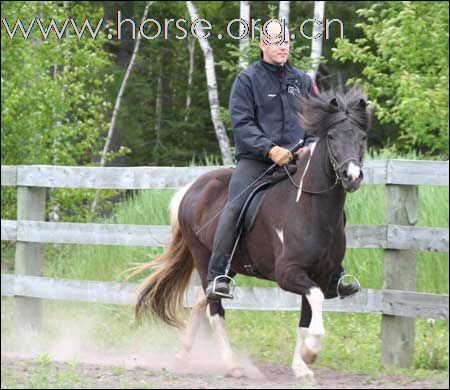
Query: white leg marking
(218, 324)
(197, 313)
(299, 367)
(315, 299)
(314, 343)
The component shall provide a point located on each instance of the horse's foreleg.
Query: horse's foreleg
(302, 356)
(312, 335)
(299, 366)
(315, 299)
(216, 317)
(311, 330)
(197, 314)
(311, 343)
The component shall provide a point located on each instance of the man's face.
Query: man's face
(275, 49)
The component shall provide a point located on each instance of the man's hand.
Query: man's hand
(280, 155)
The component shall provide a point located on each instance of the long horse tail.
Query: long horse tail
(161, 294)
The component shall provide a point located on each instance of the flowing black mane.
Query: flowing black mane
(324, 111)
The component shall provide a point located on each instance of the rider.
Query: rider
(264, 108)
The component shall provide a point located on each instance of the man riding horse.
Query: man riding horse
(264, 110)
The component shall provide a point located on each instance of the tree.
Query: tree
(283, 12)
(222, 137)
(316, 42)
(404, 52)
(53, 116)
(244, 41)
(119, 100)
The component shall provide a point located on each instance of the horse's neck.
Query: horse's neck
(320, 176)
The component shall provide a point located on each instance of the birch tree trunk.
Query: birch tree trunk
(119, 100)
(221, 134)
(245, 41)
(316, 44)
(283, 12)
(191, 48)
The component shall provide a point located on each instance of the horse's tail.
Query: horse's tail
(161, 294)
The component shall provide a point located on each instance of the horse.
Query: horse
(297, 239)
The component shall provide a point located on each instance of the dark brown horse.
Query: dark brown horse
(298, 237)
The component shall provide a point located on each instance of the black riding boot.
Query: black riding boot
(224, 240)
(345, 289)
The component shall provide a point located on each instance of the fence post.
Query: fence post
(29, 258)
(398, 333)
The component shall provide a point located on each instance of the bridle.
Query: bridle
(337, 168)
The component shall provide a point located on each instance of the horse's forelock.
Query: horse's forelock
(318, 115)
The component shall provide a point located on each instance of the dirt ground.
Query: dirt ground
(259, 376)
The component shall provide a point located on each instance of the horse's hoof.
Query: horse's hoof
(182, 361)
(236, 372)
(304, 374)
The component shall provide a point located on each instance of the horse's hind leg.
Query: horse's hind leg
(216, 317)
(187, 340)
(201, 256)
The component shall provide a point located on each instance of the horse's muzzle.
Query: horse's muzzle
(351, 177)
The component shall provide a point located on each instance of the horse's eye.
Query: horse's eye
(364, 137)
(330, 137)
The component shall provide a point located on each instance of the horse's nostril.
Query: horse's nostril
(345, 175)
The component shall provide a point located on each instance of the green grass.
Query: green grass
(41, 376)
(352, 341)
(107, 262)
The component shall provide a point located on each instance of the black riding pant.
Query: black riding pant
(245, 173)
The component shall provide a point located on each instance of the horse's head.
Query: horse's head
(342, 121)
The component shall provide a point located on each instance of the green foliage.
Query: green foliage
(404, 52)
(252, 53)
(297, 57)
(55, 106)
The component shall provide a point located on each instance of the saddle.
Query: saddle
(250, 209)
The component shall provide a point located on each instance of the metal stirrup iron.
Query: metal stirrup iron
(339, 282)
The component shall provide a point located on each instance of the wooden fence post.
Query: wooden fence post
(398, 333)
(29, 256)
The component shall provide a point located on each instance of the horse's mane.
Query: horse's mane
(323, 111)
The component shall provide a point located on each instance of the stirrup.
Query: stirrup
(339, 282)
(221, 294)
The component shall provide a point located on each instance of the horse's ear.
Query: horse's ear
(362, 104)
(333, 105)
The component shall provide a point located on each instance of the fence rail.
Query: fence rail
(358, 236)
(398, 302)
(410, 304)
(402, 172)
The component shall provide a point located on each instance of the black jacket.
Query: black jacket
(264, 108)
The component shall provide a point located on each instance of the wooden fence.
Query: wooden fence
(398, 302)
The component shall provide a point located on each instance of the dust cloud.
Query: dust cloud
(107, 336)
